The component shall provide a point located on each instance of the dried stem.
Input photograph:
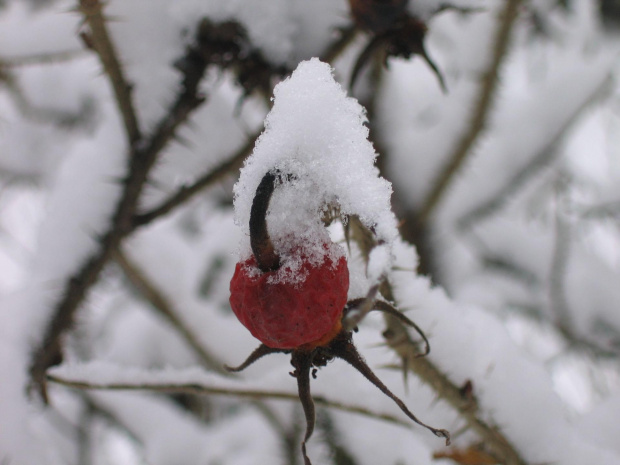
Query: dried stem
(159, 302)
(100, 40)
(347, 35)
(480, 114)
(203, 389)
(263, 249)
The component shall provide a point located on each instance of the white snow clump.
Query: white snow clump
(315, 135)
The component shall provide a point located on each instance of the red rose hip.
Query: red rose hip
(284, 315)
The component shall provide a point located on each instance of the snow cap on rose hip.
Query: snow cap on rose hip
(316, 135)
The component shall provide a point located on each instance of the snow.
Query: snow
(490, 321)
(315, 134)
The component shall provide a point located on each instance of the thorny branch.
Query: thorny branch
(142, 157)
(208, 179)
(400, 341)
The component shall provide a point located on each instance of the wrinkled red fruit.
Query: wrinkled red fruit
(285, 315)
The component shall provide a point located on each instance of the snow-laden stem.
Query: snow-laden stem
(399, 340)
(479, 117)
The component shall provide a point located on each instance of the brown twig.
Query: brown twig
(544, 158)
(559, 262)
(100, 40)
(142, 159)
(495, 442)
(187, 192)
(479, 117)
(204, 389)
(159, 302)
(346, 37)
(41, 58)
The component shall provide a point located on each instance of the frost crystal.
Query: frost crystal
(315, 135)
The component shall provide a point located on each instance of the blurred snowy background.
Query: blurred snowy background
(123, 126)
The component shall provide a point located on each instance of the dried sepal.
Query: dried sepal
(258, 353)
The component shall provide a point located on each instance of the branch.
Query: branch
(400, 341)
(187, 192)
(41, 58)
(495, 442)
(142, 158)
(481, 111)
(204, 389)
(160, 303)
(545, 157)
(559, 263)
(347, 35)
(99, 40)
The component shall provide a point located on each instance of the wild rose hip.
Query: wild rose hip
(302, 316)
(283, 315)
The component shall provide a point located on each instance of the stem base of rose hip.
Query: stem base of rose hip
(308, 358)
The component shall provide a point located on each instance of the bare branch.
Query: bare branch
(41, 58)
(544, 158)
(559, 263)
(479, 118)
(160, 303)
(187, 192)
(142, 159)
(347, 35)
(204, 389)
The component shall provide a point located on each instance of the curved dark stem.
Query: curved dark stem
(262, 247)
(362, 306)
(385, 307)
(366, 54)
(433, 66)
(302, 361)
(259, 352)
(342, 347)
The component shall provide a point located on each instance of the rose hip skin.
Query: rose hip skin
(284, 315)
